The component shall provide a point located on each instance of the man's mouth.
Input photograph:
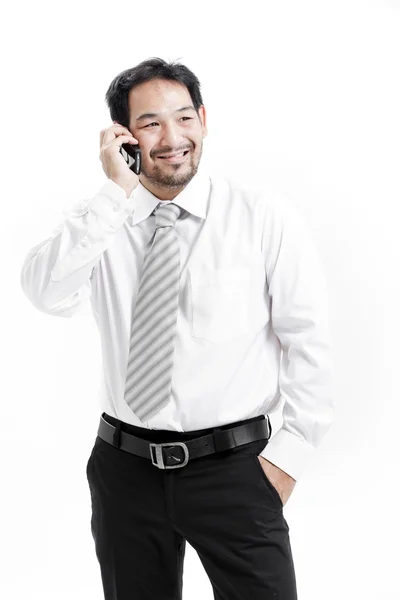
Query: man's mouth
(177, 157)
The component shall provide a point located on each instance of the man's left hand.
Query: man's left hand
(282, 482)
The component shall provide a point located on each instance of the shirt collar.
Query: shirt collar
(193, 198)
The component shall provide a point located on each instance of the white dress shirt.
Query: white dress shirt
(252, 326)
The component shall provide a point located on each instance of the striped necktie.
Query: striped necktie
(152, 342)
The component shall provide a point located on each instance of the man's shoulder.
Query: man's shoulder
(249, 192)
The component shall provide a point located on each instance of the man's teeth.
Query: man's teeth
(173, 155)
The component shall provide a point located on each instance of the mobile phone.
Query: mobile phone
(131, 153)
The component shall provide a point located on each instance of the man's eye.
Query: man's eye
(154, 123)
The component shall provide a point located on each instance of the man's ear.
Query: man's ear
(203, 119)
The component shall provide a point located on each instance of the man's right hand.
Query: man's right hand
(113, 163)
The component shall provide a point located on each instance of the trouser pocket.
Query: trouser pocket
(258, 447)
(90, 461)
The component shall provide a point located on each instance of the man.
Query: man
(212, 308)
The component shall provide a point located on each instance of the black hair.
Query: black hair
(152, 68)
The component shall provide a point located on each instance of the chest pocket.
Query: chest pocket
(220, 303)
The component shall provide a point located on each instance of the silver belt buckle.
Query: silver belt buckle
(159, 462)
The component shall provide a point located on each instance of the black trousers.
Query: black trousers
(222, 504)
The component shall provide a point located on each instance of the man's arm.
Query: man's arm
(55, 275)
(300, 319)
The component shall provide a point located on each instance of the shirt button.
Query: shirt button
(115, 208)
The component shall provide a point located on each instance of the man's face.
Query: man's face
(170, 131)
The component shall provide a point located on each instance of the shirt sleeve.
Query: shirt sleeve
(300, 319)
(56, 273)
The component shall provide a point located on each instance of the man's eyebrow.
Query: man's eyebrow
(152, 115)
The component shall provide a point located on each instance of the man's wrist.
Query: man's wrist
(128, 187)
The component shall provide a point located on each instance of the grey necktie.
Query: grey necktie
(152, 341)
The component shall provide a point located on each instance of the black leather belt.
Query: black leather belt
(173, 455)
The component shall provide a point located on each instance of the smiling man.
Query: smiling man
(212, 308)
(170, 134)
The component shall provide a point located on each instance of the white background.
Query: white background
(304, 95)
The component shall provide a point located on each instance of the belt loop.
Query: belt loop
(217, 445)
(117, 435)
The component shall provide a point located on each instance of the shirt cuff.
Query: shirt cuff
(112, 205)
(288, 452)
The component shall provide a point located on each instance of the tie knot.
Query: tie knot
(167, 214)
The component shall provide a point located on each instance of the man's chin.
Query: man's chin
(173, 180)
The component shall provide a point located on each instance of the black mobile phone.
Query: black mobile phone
(133, 156)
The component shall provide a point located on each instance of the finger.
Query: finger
(122, 139)
(118, 125)
(117, 141)
(110, 133)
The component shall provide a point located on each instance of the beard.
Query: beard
(173, 176)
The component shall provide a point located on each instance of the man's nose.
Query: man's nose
(171, 138)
